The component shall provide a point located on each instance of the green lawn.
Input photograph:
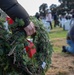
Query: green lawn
(58, 38)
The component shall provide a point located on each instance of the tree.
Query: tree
(68, 3)
(43, 9)
(53, 6)
(65, 6)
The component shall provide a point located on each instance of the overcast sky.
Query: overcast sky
(32, 6)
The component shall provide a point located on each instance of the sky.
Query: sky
(32, 6)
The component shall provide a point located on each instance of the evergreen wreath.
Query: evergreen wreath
(13, 57)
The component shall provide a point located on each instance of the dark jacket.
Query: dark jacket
(14, 10)
(71, 31)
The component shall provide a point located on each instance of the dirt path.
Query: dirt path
(62, 64)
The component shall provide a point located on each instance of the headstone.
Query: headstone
(67, 24)
(46, 25)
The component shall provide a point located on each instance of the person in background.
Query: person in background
(37, 15)
(60, 19)
(14, 10)
(49, 18)
(56, 22)
(70, 38)
(70, 48)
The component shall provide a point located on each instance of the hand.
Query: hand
(30, 29)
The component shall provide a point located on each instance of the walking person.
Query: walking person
(49, 18)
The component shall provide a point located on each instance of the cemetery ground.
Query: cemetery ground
(62, 63)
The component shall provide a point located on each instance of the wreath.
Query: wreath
(14, 59)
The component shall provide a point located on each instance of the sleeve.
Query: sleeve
(71, 31)
(13, 9)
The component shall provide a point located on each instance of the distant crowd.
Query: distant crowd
(59, 20)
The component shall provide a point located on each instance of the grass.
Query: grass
(57, 33)
(58, 38)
